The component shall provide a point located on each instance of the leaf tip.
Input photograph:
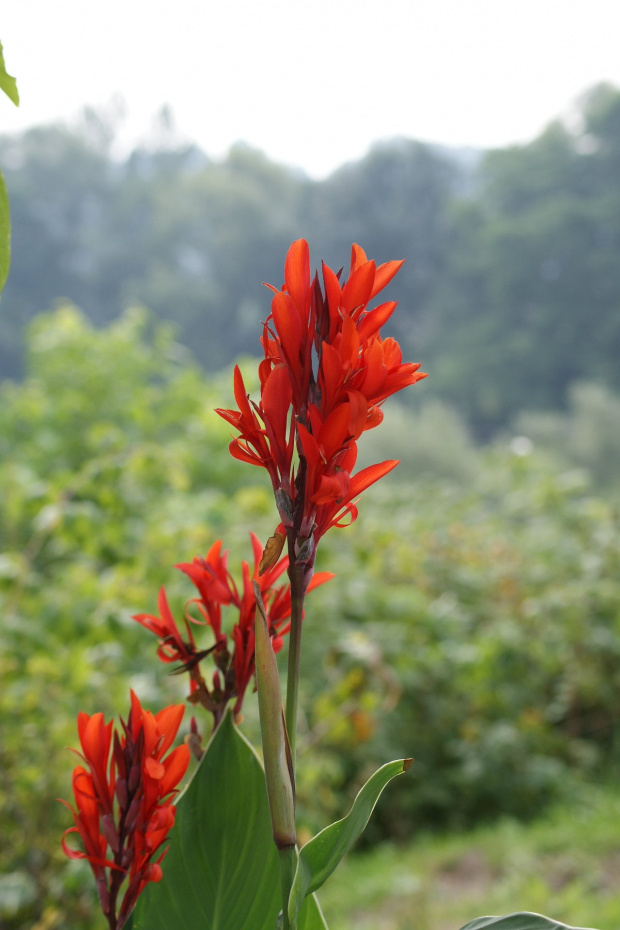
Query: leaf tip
(407, 763)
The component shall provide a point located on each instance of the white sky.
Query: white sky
(312, 84)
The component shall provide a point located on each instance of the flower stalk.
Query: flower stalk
(279, 772)
(296, 576)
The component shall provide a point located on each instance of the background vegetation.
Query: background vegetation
(475, 619)
(510, 292)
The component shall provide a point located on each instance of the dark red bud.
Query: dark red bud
(135, 776)
(122, 794)
(109, 831)
(132, 814)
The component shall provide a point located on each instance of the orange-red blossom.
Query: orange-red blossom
(325, 373)
(233, 652)
(123, 801)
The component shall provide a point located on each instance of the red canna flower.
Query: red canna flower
(172, 648)
(325, 373)
(233, 653)
(123, 801)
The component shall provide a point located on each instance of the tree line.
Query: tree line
(510, 291)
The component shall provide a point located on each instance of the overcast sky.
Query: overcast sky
(312, 84)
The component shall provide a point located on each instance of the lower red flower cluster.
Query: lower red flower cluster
(232, 653)
(123, 801)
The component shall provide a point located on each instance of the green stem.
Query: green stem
(296, 576)
(288, 865)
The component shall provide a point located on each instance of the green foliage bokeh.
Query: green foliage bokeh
(474, 622)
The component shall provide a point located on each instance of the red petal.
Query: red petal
(309, 445)
(384, 275)
(297, 273)
(375, 373)
(289, 328)
(333, 291)
(358, 413)
(349, 344)
(239, 451)
(374, 320)
(241, 394)
(154, 769)
(357, 290)
(358, 257)
(332, 488)
(367, 476)
(176, 766)
(374, 418)
(336, 430)
(168, 722)
(275, 400)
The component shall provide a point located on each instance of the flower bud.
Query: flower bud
(279, 775)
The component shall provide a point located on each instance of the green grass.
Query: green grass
(565, 865)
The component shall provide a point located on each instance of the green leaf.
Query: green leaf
(524, 920)
(7, 83)
(320, 856)
(221, 871)
(5, 233)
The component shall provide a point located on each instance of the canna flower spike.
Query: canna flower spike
(123, 801)
(232, 652)
(325, 374)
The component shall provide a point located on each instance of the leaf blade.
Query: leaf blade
(521, 920)
(320, 856)
(221, 870)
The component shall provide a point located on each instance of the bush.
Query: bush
(474, 622)
(497, 612)
(587, 436)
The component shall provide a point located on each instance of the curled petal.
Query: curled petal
(175, 765)
(358, 257)
(373, 320)
(384, 275)
(367, 476)
(168, 722)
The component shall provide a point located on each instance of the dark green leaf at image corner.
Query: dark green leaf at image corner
(221, 871)
(8, 83)
(523, 920)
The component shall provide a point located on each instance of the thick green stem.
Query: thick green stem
(296, 576)
(279, 776)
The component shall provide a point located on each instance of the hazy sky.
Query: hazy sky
(312, 84)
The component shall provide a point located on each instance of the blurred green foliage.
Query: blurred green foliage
(563, 863)
(474, 622)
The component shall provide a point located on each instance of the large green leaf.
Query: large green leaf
(524, 920)
(7, 83)
(5, 233)
(320, 856)
(221, 871)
